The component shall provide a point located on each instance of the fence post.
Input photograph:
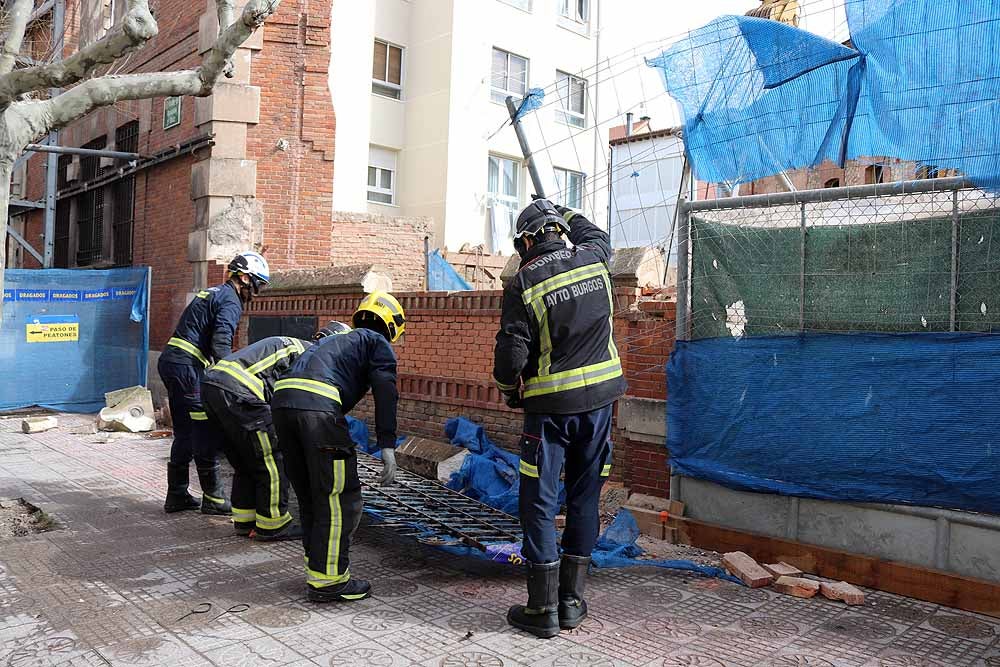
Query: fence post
(683, 271)
(802, 269)
(953, 304)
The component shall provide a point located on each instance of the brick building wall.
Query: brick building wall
(446, 362)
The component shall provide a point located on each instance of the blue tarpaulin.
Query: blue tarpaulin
(70, 336)
(759, 96)
(442, 276)
(893, 418)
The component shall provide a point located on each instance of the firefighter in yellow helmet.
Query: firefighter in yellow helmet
(309, 405)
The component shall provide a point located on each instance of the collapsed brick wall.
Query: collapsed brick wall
(446, 362)
(395, 244)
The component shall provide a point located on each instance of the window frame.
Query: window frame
(494, 91)
(515, 199)
(563, 188)
(564, 114)
(387, 86)
(568, 11)
(378, 189)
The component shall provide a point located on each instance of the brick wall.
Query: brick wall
(446, 362)
(395, 244)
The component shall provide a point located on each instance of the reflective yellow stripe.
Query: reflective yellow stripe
(606, 470)
(336, 519)
(273, 524)
(569, 215)
(202, 294)
(271, 360)
(189, 348)
(237, 372)
(561, 280)
(573, 379)
(272, 474)
(545, 340)
(217, 501)
(612, 349)
(198, 416)
(528, 469)
(321, 579)
(241, 515)
(313, 386)
(505, 387)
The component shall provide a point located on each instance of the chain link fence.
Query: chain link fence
(917, 256)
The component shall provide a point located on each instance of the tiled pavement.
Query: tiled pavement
(113, 584)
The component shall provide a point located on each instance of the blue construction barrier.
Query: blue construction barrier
(69, 336)
(889, 418)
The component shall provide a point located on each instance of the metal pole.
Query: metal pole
(427, 263)
(953, 301)
(802, 270)
(525, 149)
(20, 239)
(683, 273)
(832, 194)
(52, 161)
(89, 152)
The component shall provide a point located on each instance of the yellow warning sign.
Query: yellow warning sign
(60, 332)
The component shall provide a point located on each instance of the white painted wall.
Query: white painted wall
(352, 33)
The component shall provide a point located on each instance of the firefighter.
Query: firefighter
(237, 393)
(555, 357)
(309, 406)
(204, 334)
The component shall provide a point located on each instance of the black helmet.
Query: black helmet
(332, 328)
(538, 217)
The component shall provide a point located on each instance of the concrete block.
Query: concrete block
(230, 139)
(842, 591)
(129, 410)
(644, 419)
(38, 424)
(782, 570)
(637, 267)
(223, 177)
(345, 279)
(229, 102)
(198, 245)
(513, 264)
(746, 569)
(797, 587)
(432, 459)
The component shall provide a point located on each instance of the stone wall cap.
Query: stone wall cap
(352, 278)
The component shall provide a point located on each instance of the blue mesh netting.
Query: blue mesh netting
(69, 336)
(533, 100)
(893, 418)
(759, 96)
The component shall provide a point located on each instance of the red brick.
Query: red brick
(797, 586)
(782, 569)
(746, 569)
(842, 591)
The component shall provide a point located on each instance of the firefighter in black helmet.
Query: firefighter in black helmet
(555, 357)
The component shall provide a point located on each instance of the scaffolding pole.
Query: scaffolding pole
(52, 160)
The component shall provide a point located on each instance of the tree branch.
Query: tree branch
(133, 31)
(18, 15)
(107, 90)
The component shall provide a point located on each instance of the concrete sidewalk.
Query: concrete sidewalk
(113, 583)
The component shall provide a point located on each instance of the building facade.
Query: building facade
(419, 87)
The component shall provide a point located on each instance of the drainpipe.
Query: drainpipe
(427, 263)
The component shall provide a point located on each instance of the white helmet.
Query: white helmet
(254, 265)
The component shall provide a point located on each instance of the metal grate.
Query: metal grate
(90, 217)
(127, 141)
(422, 508)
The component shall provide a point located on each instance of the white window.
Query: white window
(504, 186)
(572, 99)
(387, 70)
(381, 175)
(509, 76)
(569, 187)
(524, 5)
(575, 10)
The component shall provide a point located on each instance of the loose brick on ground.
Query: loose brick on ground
(782, 569)
(842, 590)
(797, 586)
(746, 569)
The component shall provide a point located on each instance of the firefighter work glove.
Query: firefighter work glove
(388, 467)
(513, 399)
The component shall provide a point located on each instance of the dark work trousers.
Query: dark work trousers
(322, 466)
(194, 437)
(583, 443)
(260, 487)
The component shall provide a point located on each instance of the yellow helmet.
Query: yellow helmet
(380, 311)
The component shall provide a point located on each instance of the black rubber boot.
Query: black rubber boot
(349, 591)
(213, 498)
(290, 531)
(572, 580)
(178, 498)
(243, 529)
(540, 616)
